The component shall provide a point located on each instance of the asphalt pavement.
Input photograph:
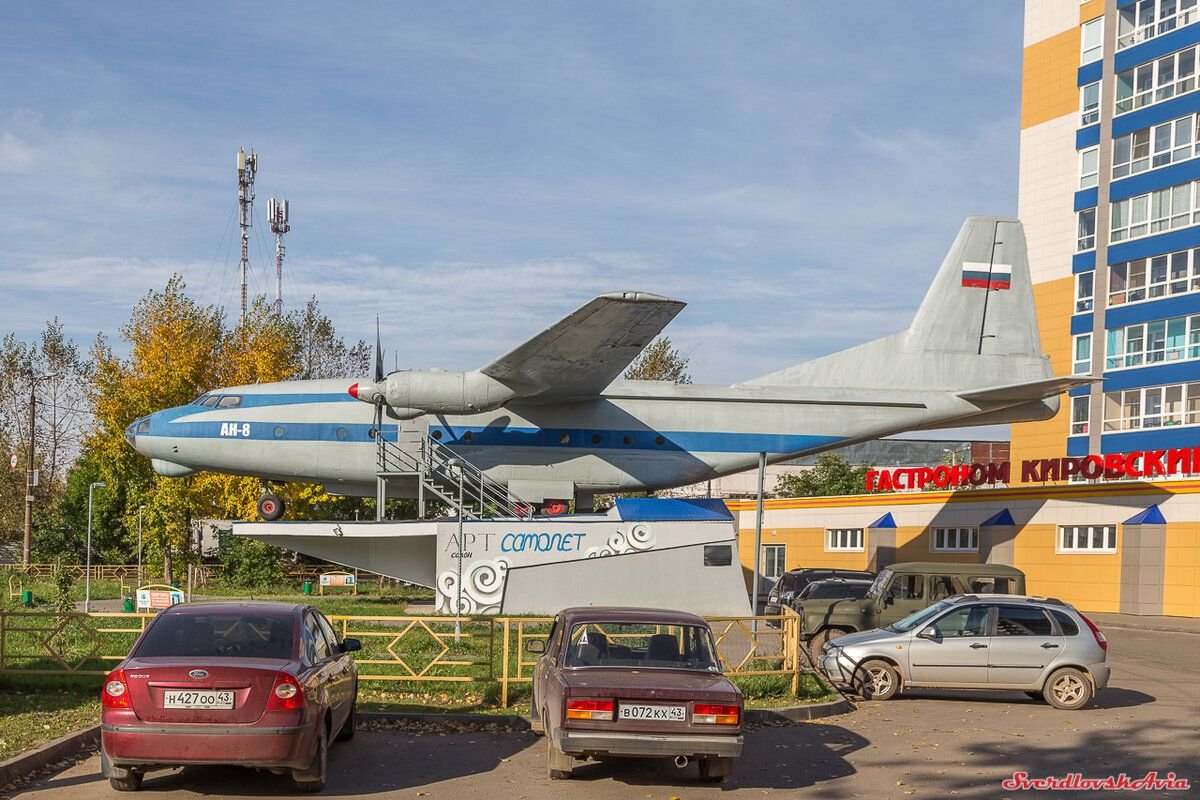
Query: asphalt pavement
(933, 744)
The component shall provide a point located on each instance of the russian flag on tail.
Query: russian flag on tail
(986, 276)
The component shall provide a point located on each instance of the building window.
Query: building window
(1084, 289)
(1156, 81)
(1156, 146)
(1087, 230)
(1089, 167)
(1164, 340)
(1139, 22)
(1158, 211)
(1089, 104)
(1092, 39)
(1083, 354)
(773, 558)
(844, 540)
(1151, 278)
(1087, 538)
(1152, 407)
(1080, 411)
(954, 540)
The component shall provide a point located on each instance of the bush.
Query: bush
(250, 564)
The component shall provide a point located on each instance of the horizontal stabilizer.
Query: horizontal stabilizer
(1024, 392)
(587, 350)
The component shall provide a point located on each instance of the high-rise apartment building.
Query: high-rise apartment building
(1110, 198)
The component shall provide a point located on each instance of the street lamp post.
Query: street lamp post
(87, 579)
(140, 510)
(27, 544)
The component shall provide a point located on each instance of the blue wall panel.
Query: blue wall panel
(1077, 446)
(1167, 307)
(1152, 115)
(1090, 73)
(1087, 137)
(1179, 372)
(1157, 439)
(1183, 172)
(1154, 245)
(1081, 323)
(1082, 262)
(1087, 198)
(1158, 46)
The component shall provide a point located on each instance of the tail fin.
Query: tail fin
(976, 326)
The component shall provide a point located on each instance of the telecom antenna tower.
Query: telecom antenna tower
(277, 214)
(247, 165)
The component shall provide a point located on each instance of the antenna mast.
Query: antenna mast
(247, 165)
(277, 215)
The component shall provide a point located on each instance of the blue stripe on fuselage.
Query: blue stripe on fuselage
(475, 436)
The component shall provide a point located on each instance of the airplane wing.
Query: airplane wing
(1024, 392)
(588, 349)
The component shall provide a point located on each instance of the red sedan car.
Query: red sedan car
(635, 682)
(263, 685)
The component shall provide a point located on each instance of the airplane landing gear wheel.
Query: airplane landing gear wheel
(270, 507)
(554, 508)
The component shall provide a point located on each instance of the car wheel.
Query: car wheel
(1035, 696)
(1068, 689)
(313, 778)
(270, 507)
(877, 680)
(119, 778)
(714, 769)
(347, 731)
(558, 763)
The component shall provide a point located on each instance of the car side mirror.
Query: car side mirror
(351, 645)
(930, 633)
(888, 600)
(535, 646)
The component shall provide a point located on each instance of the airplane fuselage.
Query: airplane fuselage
(637, 435)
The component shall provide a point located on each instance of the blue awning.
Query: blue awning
(660, 509)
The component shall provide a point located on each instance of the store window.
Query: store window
(954, 540)
(1087, 538)
(844, 540)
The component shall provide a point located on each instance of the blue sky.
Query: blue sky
(473, 171)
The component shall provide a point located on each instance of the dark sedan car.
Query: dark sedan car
(635, 682)
(793, 582)
(253, 684)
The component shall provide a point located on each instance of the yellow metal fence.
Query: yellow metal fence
(419, 650)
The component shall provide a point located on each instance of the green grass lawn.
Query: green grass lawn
(36, 710)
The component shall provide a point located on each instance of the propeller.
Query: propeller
(379, 398)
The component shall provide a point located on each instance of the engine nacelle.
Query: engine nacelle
(413, 393)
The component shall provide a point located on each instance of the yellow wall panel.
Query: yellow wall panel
(1091, 582)
(1049, 79)
(1090, 10)
(1181, 570)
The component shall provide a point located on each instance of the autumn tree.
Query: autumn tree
(321, 352)
(832, 475)
(659, 362)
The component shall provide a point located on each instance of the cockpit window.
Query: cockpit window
(210, 401)
(143, 426)
(199, 401)
(230, 401)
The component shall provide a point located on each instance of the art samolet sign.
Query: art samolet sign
(1147, 464)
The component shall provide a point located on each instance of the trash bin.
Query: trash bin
(27, 598)
(308, 587)
(127, 606)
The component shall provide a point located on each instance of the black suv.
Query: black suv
(793, 581)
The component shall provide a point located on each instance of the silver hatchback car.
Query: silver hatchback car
(1037, 645)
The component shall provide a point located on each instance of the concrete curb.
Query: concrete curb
(754, 716)
(1144, 628)
(48, 754)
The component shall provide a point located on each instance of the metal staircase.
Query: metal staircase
(443, 474)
